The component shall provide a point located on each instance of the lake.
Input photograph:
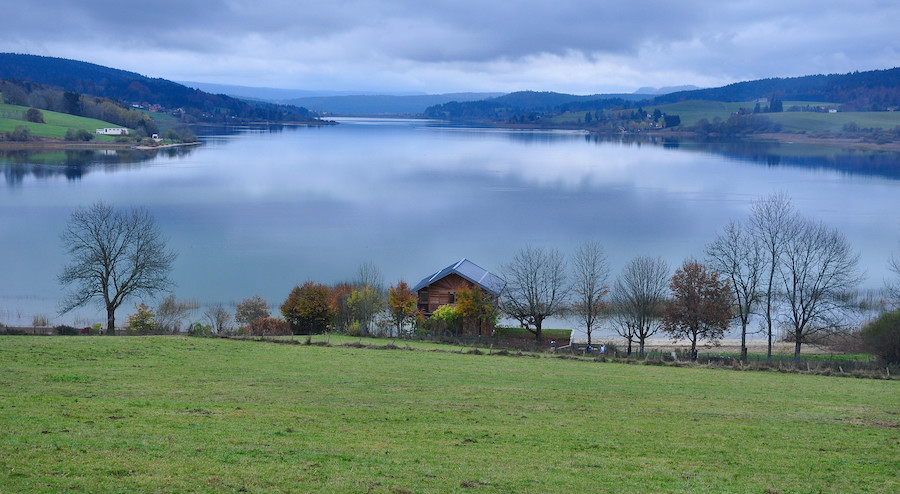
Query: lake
(258, 211)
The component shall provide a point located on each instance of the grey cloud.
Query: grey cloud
(423, 42)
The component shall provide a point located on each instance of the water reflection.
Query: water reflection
(849, 161)
(73, 164)
(256, 210)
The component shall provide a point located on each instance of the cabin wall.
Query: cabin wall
(439, 293)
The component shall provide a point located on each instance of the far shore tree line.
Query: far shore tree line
(792, 272)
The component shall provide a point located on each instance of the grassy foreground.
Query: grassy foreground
(175, 414)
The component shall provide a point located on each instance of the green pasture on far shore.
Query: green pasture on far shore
(55, 124)
(691, 112)
(180, 414)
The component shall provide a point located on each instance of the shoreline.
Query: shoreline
(727, 345)
(76, 146)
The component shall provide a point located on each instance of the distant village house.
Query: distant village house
(113, 131)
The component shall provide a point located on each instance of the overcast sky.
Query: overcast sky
(439, 46)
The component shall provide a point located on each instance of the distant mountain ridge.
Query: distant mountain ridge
(130, 87)
(281, 95)
(385, 105)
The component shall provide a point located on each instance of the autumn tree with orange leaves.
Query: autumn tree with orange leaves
(478, 310)
(402, 305)
(307, 309)
(700, 306)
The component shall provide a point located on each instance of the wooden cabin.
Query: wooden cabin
(441, 287)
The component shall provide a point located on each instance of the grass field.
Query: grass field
(55, 124)
(692, 111)
(175, 414)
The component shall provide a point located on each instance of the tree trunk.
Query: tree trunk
(743, 340)
(629, 347)
(769, 306)
(537, 330)
(797, 342)
(110, 320)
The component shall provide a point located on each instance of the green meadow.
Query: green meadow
(55, 124)
(692, 111)
(178, 414)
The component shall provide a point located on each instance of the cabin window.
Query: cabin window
(452, 298)
(423, 296)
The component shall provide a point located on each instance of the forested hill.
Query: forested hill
(132, 88)
(527, 103)
(875, 90)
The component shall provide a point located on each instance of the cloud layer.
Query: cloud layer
(464, 45)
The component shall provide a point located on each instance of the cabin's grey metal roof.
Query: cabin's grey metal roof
(470, 271)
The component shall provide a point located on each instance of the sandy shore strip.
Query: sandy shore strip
(757, 346)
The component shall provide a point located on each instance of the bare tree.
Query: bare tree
(818, 271)
(894, 288)
(639, 296)
(368, 297)
(700, 306)
(590, 271)
(622, 323)
(251, 310)
(114, 255)
(170, 312)
(740, 257)
(218, 318)
(773, 221)
(535, 287)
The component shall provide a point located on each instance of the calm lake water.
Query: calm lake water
(262, 210)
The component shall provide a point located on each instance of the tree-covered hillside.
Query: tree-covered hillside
(131, 88)
(876, 90)
(528, 105)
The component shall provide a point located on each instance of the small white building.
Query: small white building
(113, 131)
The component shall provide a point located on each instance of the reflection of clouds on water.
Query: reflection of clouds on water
(256, 213)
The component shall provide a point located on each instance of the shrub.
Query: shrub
(20, 134)
(142, 321)
(353, 329)
(78, 135)
(269, 326)
(445, 318)
(882, 337)
(64, 330)
(34, 115)
(198, 329)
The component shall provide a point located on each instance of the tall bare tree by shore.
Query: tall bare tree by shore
(818, 272)
(590, 271)
(535, 287)
(638, 298)
(773, 221)
(740, 257)
(114, 255)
